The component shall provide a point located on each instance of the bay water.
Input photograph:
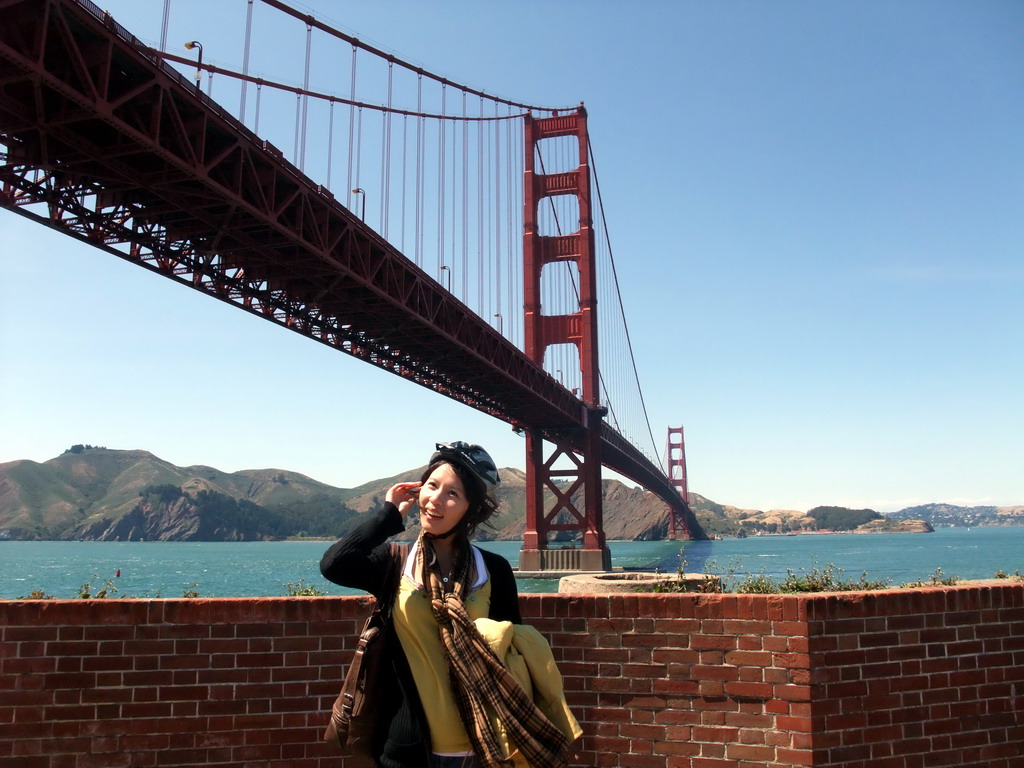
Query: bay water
(265, 569)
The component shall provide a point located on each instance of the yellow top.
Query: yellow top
(418, 633)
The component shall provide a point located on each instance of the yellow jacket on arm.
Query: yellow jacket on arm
(527, 655)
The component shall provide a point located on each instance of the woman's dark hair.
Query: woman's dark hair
(481, 507)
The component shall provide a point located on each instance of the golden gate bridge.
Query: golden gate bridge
(468, 251)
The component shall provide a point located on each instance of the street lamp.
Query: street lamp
(444, 268)
(199, 64)
(498, 315)
(361, 191)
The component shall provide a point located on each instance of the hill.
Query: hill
(97, 493)
(723, 520)
(953, 516)
(102, 494)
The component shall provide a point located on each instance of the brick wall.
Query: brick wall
(914, 678)
(919, 678)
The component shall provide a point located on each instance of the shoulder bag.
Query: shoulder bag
(360, 707)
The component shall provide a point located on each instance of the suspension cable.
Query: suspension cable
(622, 309)
(309, 19)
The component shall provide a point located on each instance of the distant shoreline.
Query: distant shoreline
(824, 533)
(485, 541)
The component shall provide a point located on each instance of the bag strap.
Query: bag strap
(391, 579)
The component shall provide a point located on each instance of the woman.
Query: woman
(456, 705)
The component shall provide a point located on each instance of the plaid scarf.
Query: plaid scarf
(480, 682)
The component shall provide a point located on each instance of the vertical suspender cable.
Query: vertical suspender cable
(351, 129)
(386, 152)
(512, 218)
(245, 60)
(259, 93)
(466, 206)
(455, 205)
(465, 199)
(481, 126)
(305, 97)
(499, 288)
(442, 166)
(359, 152)
(298, 127)
(516, 283)
(452, 191)
(497, 203)
(515, 212)
(164, 26)
(418, 194)
(405, 174)
(330, 141)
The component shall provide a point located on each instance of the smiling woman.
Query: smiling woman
(442, 500)
(455, 617)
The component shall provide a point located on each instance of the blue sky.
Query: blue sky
(817, 213)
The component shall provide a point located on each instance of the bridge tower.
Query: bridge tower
(675, 452)
(573, 468)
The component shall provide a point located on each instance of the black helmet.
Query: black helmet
(475, 459)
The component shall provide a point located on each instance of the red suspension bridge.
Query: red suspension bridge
(458, 209)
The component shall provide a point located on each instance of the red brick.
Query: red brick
(749, 690)
(749, 752)
(713, 642)
(701, 672)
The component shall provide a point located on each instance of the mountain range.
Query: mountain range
(95, 493)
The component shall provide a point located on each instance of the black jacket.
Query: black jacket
(360, 560)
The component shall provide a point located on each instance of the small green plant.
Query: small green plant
(303, 590)
(667, 586)
(828, 579)
(36, 594)
(1001, 574)
(939, 580)
(818, 579)
(709, 584)
(107, 590)
(191, 591)
(725, 582)
(756, 584)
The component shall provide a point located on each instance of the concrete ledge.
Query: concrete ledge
(557, 573)
(628, 581)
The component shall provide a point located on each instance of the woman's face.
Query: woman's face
(443, 501)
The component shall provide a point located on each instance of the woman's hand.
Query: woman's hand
(403, 496)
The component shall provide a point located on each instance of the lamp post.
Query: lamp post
(361, 191)
(448, 272)
(199, 64)
(500, 322)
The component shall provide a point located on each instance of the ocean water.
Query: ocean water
(260, 569)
